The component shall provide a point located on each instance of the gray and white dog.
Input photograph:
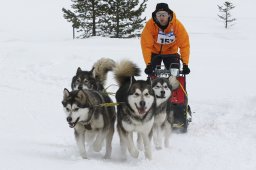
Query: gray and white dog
(163, 115)
(136, 110)
(163, 88)
(95, 78)
(86, 117)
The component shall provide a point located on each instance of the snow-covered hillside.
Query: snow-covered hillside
(37, 61)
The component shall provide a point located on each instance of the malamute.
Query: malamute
(85, 115)
(162, 127)
(136, 110)
(95, 78)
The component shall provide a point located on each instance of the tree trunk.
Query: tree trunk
(93, 19)
(226, 26)
(73, 32)
(117, 20)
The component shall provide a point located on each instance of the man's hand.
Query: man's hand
(185, 70)
(148, 70)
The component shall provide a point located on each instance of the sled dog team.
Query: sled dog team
(142, 109)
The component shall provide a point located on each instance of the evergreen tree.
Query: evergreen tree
(226, 10)
(122, 18)
(85, 16)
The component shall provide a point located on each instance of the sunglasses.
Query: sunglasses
(162, 14)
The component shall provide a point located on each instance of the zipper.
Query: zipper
(161, 45)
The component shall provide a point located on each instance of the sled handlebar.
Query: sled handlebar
(173, 72)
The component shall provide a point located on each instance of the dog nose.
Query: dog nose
(80, 87)
(69, 119)
(142, 103)
(162, 92)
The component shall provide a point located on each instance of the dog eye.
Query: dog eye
(76, 109)
(157, 86)
(165, 87)
(67, 109)
(136, 94)
(146, 94)
(77, 81)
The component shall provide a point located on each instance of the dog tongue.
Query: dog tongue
(142, 110)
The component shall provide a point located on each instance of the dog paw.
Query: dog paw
(148, 156)
(158, 147)
(96, 147)
(107, 156)
(84, 156)
(135, 153)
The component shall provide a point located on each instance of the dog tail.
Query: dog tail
(101, 68)
(125, 70)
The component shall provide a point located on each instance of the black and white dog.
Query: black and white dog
(162, 127)
(86, 117)
(163, 88)
(136, 110)
(95, 78)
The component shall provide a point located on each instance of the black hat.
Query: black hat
(162, 7)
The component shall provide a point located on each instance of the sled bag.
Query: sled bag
(178, 96)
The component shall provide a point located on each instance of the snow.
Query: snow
(38, 59)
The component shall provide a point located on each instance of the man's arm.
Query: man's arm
(147, 43)
(183, 42)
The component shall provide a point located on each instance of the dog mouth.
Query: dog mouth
(160, 97)
(71, 125)
(141, 110)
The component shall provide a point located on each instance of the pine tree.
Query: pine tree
(123, 18)
(226, 10)
(85, 17)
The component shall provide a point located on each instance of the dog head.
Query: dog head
(162, 89)
(84, 80)
(141, 97)
(76, 105)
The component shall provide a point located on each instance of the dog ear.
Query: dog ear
(81, 96)
(174, 82)
(133, 79)
(65, 93)
(79, 70)
(92, 70)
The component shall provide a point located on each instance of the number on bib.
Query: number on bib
(165, 38)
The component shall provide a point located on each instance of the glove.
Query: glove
(148, 70)
(185, 70)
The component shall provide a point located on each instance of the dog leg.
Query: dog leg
(97, 145)
(157, 136)
(147, 146)
(139, 142)
(123, 143)
(80, 140)
(131, 147)
(167, 133)
(109, 138)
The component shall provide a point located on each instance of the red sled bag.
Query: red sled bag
(178, 95)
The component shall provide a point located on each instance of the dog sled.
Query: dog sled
(182, 114)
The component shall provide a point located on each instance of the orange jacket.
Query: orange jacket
(175, 37)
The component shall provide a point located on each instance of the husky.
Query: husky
(163, 115)
(136, 110)
(86, 116)
(95, 78)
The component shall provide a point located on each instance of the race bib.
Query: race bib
(165, 38)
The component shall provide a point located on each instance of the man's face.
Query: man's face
(162, 17)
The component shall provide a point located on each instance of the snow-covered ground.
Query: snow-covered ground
(38, 59)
